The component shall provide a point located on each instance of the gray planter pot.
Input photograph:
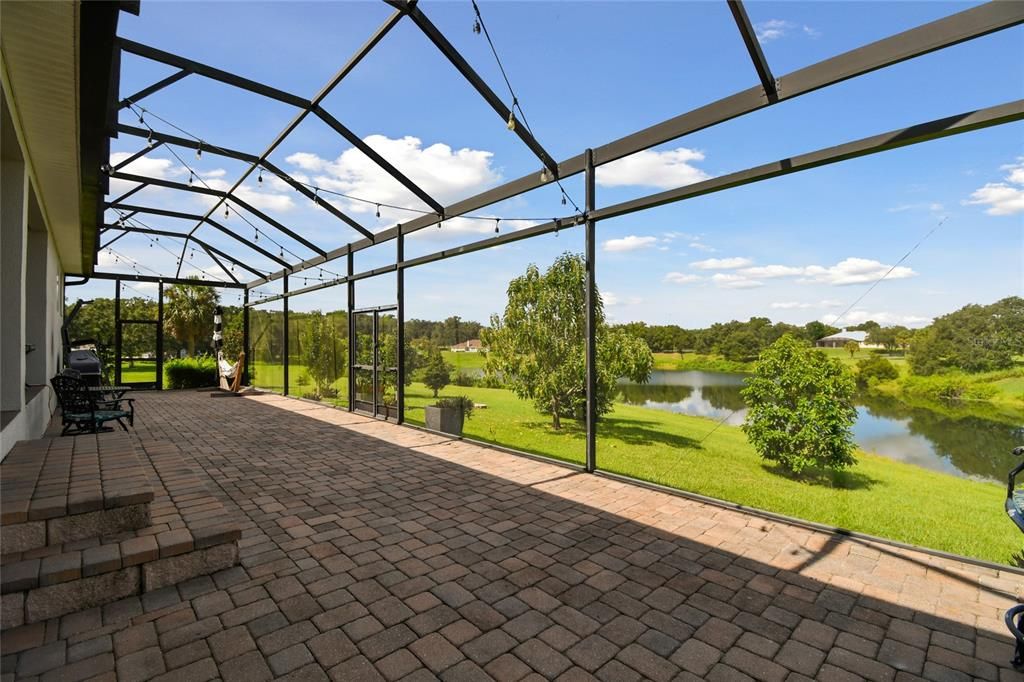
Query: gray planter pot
(444, 419)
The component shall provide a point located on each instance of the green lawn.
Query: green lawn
(878, 496)
(143, 371)
(270, 377)
(461, 361)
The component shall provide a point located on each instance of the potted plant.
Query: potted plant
(447, 415)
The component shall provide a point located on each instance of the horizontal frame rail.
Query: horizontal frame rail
(952, 30)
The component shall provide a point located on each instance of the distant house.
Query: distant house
(470, 346)
(840, 339)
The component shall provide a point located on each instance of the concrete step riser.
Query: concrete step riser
(52, 601)
(23, 537)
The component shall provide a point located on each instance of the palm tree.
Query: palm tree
(188, 313)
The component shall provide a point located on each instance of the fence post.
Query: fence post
(591, 321)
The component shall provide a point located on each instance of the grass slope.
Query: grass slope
(878, 496)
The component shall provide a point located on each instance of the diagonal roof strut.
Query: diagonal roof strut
(459, 62)
(739, 13)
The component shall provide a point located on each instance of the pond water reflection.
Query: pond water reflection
(943, 439)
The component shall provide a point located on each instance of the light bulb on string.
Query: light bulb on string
(476, 26)
(496, 223)
(259, 178)
(257, 236)
(190, 176)
(563, 198)
(378, 210)
(316, 196)
(149, 139)
(511, 125)
(199, 150)
(225, 210)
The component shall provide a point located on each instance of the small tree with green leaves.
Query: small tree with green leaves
(801, 408)
(319, 351)
(538, 345)
(875, 369)
(851, 347)
(437, 374)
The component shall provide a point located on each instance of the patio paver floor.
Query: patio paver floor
(371, 551)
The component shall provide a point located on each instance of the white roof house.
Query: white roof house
(844, 336)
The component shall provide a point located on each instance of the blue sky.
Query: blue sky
(796, 249)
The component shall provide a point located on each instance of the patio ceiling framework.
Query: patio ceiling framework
(948, 31)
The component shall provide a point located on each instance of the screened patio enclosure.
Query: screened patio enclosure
(276, 266)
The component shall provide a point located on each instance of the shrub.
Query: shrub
(437, 374)
(194, 372)
(459, 402)
(801, 408)
(874, 369)
(463, 379)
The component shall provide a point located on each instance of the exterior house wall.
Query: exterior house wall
(31, 306)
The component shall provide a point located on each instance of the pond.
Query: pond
(943, 439)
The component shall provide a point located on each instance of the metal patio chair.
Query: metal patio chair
(82, 411)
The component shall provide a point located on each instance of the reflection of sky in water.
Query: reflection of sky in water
(889, 436)
(695, 404)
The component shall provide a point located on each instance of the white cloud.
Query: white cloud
(855, 317)
(146, 166)
(772, 29)
(721, 263)
(665, 170)
(855, 271)
(733, 281)
(1002, 198)
(611, 299)
(933, 207)
(307, 161)
(669, 236)
(804, 305)
(700, 246)
(445, 173)
(264, 199)
(848, 271)
(681, 278)
(630, 243)
(772, 271)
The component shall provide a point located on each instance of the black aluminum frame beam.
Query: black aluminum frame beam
(191, 66)
(137, 155)
(944, 127)
(932, 130)
(231, 154)
(155, 87)
(198, 68)
(182, 235)
(473, 78)
(764, 72)
(366, 149)
(209, 221)
(165, 280)
(969, 24)
(170, 184)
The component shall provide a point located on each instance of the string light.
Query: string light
(199, 150)
(225, 211)
(476, 26)
(190, 174)
(378, 210)
(511, 125)
(496, 228)
(259, 179)
(149, 139)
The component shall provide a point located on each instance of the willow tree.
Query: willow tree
(188, 313)
(539, 345)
